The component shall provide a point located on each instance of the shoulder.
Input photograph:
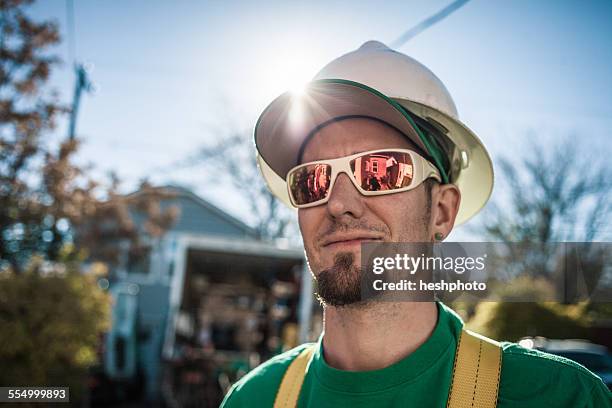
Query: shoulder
(262, 382)
(516, 356)
(529, 374)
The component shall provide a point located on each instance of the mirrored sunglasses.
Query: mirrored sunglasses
(375, 172)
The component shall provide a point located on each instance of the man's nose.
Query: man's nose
(345, 199)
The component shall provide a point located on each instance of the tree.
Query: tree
(554, 194)
(25, 113)
(53, 216)
(46, 201)
(51, 316)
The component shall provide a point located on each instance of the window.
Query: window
(139, 260)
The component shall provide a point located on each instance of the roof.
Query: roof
(200, 216)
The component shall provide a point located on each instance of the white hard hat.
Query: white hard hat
(376, 81)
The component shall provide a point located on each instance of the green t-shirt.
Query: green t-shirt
(529, 378)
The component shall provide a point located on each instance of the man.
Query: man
(377, 105)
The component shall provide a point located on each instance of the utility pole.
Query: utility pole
(82, 78)
(82, 84)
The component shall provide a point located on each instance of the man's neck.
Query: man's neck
(375, 336)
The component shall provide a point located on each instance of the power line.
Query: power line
(428, 22)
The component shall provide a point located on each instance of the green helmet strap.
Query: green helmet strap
(433, 148)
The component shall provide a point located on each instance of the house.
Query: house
(209, 293)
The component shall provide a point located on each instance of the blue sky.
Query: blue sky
(173, 75)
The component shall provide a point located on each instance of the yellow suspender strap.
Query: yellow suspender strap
(290, 387)
(476, 372)
(475, 381)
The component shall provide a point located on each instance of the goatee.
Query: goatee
(340, 285)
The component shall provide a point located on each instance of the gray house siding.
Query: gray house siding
(198, 216)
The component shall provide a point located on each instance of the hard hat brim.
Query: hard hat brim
(475, 178)
(286, 123)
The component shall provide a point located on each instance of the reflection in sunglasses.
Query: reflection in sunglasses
(310, 183)
(380, 172)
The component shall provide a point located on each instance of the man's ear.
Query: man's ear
(445, 202)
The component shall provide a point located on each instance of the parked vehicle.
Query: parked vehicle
(595, 357)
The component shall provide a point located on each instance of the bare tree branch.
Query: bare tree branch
(233, 157)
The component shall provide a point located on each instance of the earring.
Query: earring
(438, 236)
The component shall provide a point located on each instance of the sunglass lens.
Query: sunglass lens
(383, 171)
(309, 183)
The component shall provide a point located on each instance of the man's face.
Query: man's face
(333, 232)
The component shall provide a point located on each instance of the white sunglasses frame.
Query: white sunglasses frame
(422, 170)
